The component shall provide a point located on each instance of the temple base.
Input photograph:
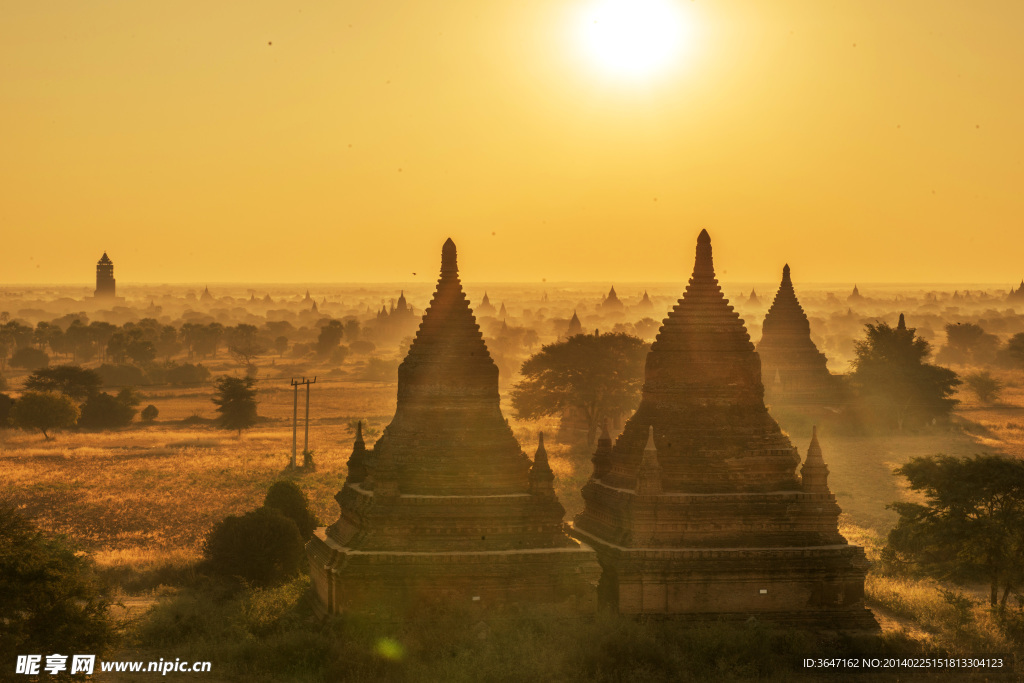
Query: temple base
(818, 587)
(400, 583)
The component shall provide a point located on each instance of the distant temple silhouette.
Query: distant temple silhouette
(612, 301)
(106, 285)
(1016, 294)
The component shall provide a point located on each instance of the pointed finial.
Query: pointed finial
(814, 473)
(785, 276)
(449, 260)
(648, 480)
(541, 476)
(902, 324)
(703, 265)
(604, 430)
(359, 432)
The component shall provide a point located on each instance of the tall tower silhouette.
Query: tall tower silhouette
(105, 283)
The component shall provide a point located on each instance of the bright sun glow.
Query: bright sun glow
(633, 38)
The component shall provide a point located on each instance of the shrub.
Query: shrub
(6, 403)
(29, 358)
(121, 375)
(262, 546)
(50, 597)
(288, 499)
(339, 355)
(983, 385)
(149, 413)
(103, 411)
(380, 370)
(187, 373)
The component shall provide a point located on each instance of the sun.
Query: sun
(632, 39)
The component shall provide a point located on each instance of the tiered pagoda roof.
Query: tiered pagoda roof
(697, 507)
(446, 502)
(793, 368)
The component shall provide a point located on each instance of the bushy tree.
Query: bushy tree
(235, 399)
(45, 411)
(103, 411)
(75, 382)
(329, 338)
(287, 498)
(6, 403)
(968, 344)
(51, 599)
(598, 375)
(187, 373)
(971, 527)
(986, 387)
(262, 546)
(895, 384)
(149, 413)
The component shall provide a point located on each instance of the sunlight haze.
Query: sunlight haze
(862, 141)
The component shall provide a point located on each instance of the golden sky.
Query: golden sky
(195, 141)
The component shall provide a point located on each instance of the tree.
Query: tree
(6, 403)
(598, 375)
(244, 343)
(51, 598)
(236, 402)
(103, 411)
(329, 338)
(281, 345)
(984, 385)
(45, 411)
(968, 344)
(187, 373)
(149, 413)
(894, 383)
(29, 358)
(263, 546)
(287, 498)
(971, 527)
(75, 382)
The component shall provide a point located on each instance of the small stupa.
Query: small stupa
(446, 507)
(798, 371)
(575, 326)
(697, 508)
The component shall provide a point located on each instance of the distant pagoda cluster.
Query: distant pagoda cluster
(446, 506)
(697, 508)
(793, 369)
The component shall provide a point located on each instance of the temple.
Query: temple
(486, 307)
(446, 507)
(753, 299)
(697, 508)
(575, 326)
(1016, 294)
(106, 285)
(793, 369)
(612, 303)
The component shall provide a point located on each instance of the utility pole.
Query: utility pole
(295, 421)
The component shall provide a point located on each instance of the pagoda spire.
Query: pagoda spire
(357, 461)
(541, 477)
(648, 479)
(814, 473)
(902, 324)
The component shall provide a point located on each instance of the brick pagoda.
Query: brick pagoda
(793, 369)
(446, 507)
(697, 508)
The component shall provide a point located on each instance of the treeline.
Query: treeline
(144, 343)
